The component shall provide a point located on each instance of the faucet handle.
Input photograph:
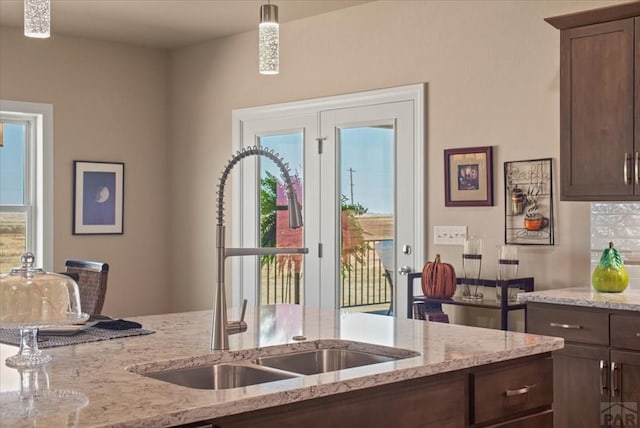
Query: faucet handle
(234, 327)
(244, 310)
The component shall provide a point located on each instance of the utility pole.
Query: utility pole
(351, 171)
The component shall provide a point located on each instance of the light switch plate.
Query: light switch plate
(449, 235)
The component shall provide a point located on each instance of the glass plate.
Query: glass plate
(66, 330)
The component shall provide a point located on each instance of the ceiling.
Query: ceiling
(164, 23)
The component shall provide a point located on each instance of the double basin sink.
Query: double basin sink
(263, 369)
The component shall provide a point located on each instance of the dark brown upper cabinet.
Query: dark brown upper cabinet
(600, 104)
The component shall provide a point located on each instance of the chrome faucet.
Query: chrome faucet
(221, 328)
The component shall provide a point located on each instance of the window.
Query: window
(26, 183)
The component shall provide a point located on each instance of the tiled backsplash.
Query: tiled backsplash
(620, 224)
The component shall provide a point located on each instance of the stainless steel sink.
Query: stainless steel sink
(258, 369)
(322, 360)
(221, 376)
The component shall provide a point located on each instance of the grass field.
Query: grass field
(12, 240)
(365, 288)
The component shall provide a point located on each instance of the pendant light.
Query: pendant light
(37, 18)
(269, 40)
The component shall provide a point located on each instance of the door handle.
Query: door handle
(625, 169)
(405, 270)
(567, 326)
(615, 387)
(603, 377)
(521, 391)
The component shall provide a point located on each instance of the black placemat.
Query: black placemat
(91, 334)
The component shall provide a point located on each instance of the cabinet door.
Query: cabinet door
(636, 159)
(579, 385)
(625, 388)
(596, 111)
(438, 402)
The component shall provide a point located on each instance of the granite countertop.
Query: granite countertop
(97, 371)
(628, 300)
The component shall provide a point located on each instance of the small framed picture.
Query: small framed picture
(98, 198)
(468, 177)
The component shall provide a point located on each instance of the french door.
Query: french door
(357, 162)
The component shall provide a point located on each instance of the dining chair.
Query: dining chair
(92, 283)
(385, 250)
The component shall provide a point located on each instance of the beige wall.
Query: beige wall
(109, 104)
(491, 68)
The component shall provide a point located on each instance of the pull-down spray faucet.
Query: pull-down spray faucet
(221, 328)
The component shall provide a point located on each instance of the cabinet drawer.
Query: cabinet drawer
(625, 331)
(508, 390)
(569, 322)
(539, 420)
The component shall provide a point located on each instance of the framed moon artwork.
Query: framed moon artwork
(98, 198)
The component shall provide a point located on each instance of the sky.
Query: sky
(12, 165)
(368, 151)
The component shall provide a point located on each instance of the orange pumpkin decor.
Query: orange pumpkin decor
(438, 279)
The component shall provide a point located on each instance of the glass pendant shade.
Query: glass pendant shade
(269, 40)
(37, 18)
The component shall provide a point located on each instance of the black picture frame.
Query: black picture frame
(468, 177)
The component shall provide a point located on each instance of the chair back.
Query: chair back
(386, 254)
(92, 283)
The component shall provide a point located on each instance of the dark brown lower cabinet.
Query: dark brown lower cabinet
(516, 394)
(626, 386)
(597, 374)
(424, 402)
(580, 385)
(542, 419)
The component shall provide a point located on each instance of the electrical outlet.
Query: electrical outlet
(449, 235)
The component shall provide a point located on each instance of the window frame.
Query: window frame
(38, 201)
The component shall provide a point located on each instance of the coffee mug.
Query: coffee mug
(535, 222)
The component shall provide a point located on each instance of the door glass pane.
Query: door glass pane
(367, 217)
(281, 276)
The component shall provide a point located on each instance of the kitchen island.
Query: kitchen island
(109, 373)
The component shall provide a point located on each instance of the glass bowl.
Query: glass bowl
(31, 299)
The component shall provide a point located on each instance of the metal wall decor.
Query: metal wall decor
(529, 202)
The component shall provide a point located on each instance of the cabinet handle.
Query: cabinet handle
(625, 170)
(637, 334)
(637, 168)
(567, 326)
(603, 380)
(614, 379)
(524, 390)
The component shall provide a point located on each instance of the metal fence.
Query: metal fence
(364, 283)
